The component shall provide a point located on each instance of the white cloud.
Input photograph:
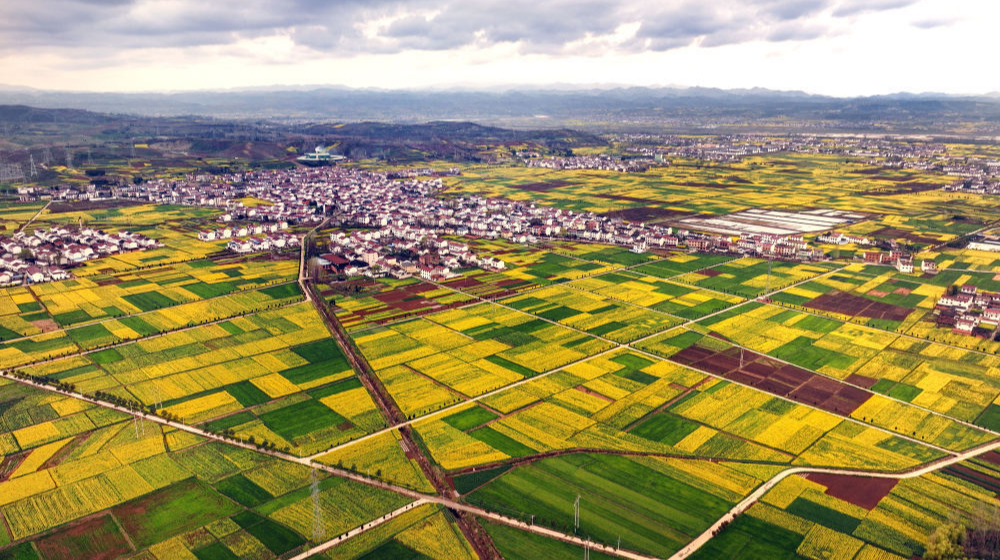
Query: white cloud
(841, 47)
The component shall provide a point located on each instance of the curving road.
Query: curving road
(751, 499)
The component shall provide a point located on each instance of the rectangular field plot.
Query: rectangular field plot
(673, 298)
(592, 313)
(823, 516)
(392, 300)
(800, 385)
(21, 314)
(749, 277)
(947, 380)
(429, 362)
(95, 297)
(276, 376)
(681, 263)
(425, 532)
(654, 505)
(108, 484)
(622, 401)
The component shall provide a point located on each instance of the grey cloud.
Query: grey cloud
(853, 7)
(332, 27)
(932, 23)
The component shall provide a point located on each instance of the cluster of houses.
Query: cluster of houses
(261, 243)
(840, 238)
(44, 254)
(602, 161)
(969, 311)
(401, 252)
(423, 172)
(976, 185)
(903, 262)
(762, 245)
(241, 230)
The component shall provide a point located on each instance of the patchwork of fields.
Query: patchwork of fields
(656, 390)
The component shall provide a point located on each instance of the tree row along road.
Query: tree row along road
(364, 527)
(356, 477)
(390, 410)
(693, 546)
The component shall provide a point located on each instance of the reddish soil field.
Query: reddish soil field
(893, 233)
(544, 186)
(861, 380)
(10, 464)
(971, 475)
(94, 539)
(593, 393)
(464, 283)
(859, 490)
(991, 457)
(850, 304)
(786, 380)
(710, 272)
(646, 214)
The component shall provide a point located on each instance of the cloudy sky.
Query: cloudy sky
(837, 47)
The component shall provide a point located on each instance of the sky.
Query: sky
(831, 47)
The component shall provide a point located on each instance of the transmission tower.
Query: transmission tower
(89, 160)
(46, 155)
(69, 158)
(31, 159)
(319, 530)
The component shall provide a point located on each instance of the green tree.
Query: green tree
(946, 543)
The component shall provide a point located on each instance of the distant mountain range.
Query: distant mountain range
(630, 108)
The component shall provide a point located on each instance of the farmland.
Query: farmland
(190, 402)
(81, 481)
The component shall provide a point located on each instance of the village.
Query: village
(401, 252)
(969, 311)
(44, 255)
(406, 209)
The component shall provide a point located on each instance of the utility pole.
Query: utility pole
(769, 261)
(576, 514)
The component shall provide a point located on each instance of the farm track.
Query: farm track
(481, 512)
(142, 313)
(449, 503)
(142, 338)
(597, 451)
(631, 347)
(459, 507)
(470, 528)
(35, 217)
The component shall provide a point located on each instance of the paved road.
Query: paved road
(745, 504)
(358, 530)
(302, 259)
(362, 479)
